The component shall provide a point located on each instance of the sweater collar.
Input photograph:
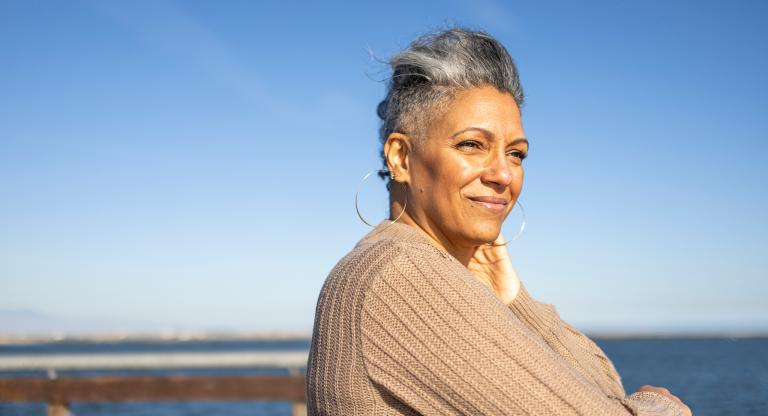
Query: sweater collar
(388, 230)
(538, 314)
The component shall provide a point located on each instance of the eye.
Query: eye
(468, 144)
(518, 154)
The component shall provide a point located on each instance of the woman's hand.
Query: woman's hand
(665, 392)
(492, 266)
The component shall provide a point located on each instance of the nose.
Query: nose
(498, 170)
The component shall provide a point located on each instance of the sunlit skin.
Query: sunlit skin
(470, 158)
(463, 179)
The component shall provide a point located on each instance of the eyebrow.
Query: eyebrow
(488, 133)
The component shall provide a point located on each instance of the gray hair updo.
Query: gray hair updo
(435, 66)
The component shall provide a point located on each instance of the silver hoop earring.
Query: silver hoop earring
(357, 194)
(522, 227)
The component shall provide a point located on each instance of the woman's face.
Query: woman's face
(467, 173)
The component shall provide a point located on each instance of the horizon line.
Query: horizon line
(273, 335)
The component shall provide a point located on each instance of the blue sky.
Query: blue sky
(193, 164)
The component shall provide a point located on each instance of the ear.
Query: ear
(397, 150)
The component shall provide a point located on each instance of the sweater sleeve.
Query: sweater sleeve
(440, 343)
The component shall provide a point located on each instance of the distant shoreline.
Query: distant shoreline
(8, 339)
(12, 339)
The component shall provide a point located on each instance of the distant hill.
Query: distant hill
(28, 324)
(20, 324)
(20, 321)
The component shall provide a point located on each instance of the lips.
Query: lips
(491, 202)
(489, 199)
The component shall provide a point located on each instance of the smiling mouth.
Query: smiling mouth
(490, 202)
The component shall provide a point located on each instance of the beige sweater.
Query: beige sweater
(403, 328)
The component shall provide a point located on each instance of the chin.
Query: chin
(484, 232)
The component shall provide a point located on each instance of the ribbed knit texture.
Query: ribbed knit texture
(403, 328)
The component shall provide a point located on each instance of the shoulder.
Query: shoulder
(370, 264)
(375, 259)
(386, 269)
(399, 259)
(368, 261)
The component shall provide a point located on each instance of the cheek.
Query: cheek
(450, 178)
(518, 182)
(446, 172)
(458, 171)
(465, 169)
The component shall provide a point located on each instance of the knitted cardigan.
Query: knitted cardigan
(403, 328)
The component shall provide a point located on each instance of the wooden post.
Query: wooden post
(299, 409)
(58, 409)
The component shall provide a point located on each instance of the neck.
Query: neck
(462, 253)
(403, 213)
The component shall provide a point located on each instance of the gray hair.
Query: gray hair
(433, 68)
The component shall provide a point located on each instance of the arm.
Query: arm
(440, 343)
(639, 402)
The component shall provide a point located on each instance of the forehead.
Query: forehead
(484, 107)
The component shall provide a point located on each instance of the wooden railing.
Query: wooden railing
(59, 392)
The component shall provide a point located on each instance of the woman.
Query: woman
(426, 314)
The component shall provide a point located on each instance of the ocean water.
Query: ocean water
(713, 376)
